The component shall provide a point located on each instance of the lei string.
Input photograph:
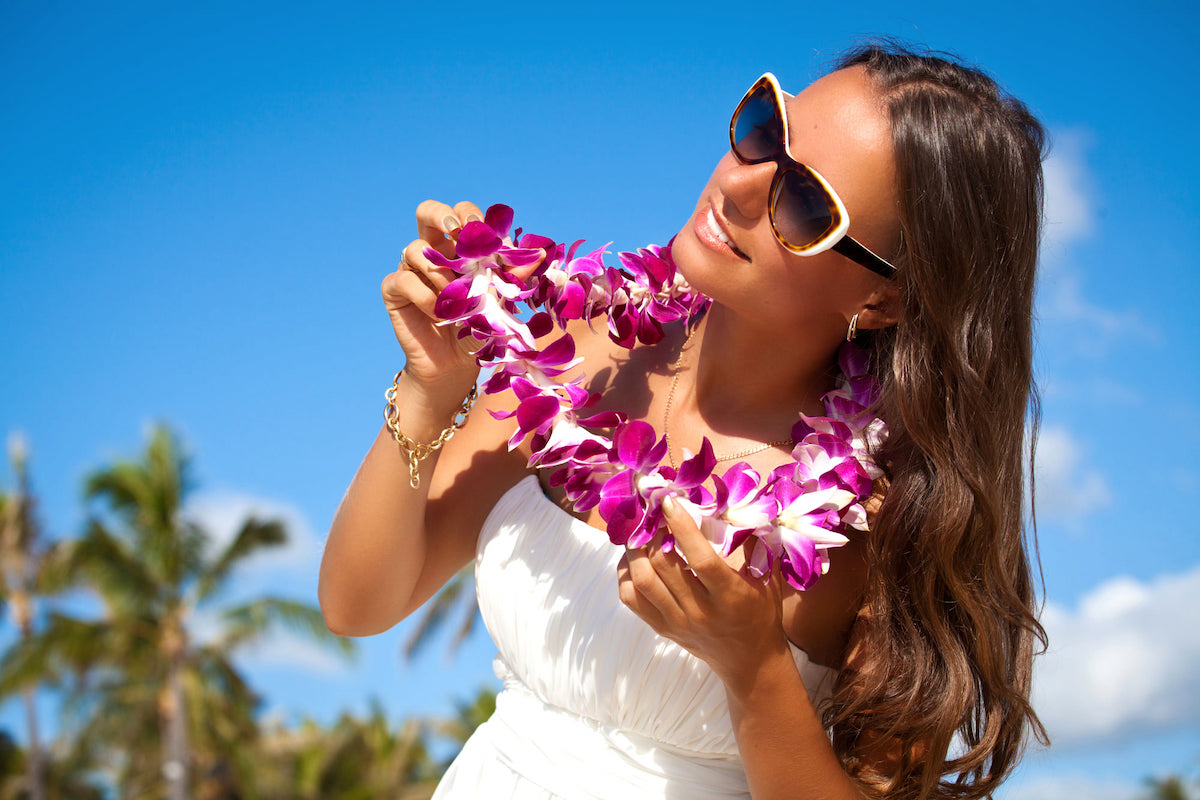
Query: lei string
(795, 514)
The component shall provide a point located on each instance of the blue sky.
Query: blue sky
(197, 206)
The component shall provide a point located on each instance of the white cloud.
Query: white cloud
(1097, 390)
(1067, 488)
(279, 649)
(291, 652)
(1070, 215)
(1125, 662)
(222, 513)
(1069, 209)
(1070, 787)
(1063, 301)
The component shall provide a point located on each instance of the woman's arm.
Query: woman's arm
(785, 749)
(391, 546)
(735, 624)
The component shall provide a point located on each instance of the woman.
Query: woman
(634, 675)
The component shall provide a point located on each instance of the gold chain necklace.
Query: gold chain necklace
(667, 416)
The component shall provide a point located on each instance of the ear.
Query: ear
(881, 309)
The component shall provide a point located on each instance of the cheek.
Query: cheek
(686, 250)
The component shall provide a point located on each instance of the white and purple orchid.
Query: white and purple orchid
(796, 515)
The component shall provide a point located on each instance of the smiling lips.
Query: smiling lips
(710, 232)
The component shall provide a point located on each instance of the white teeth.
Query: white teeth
(715, 228)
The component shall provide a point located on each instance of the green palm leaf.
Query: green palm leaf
(457, 596)
(245, 623)
(253, 536)
(149, 567)
(112, 567)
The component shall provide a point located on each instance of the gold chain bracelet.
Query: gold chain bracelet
(419, 452)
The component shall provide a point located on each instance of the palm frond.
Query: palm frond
(254, 535)
(26, 664)
(146, 495)
(65, 646)
(53, 572)
(110, 566)
(458, 593)
(468, 716)
(468, 620)
(250, 621)
(123, 487)
(219, 675)
(221, 705)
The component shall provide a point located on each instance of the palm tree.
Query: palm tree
(456, 598)
(20, 557)
(468, 716)
(1172, 787)
(356, 759)
(147, 677)
(65, 777)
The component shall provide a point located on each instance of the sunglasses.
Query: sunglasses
(806, 214)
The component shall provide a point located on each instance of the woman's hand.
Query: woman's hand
(435, 358)
(726, 617)
(734, 622)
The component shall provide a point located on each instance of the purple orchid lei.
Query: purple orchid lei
(795, 514)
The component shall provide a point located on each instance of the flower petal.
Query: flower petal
(696, 469)
(477, 240)
(499, 218)
(633, 441)
(535, 412)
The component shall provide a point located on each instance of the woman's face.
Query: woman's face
(839, 128)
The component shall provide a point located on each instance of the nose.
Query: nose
(747, 188)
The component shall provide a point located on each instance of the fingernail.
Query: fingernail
(474, 218)
(670, 507)
(450, 223)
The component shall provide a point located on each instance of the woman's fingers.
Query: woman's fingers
(686, 589)
(439, 224)
(651, 584)
(406, 287)
(702, 561)
(467, 211)
(669, 581)
(635, 599)
(415, 261)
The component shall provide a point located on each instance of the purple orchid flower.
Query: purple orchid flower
(631, 500)
(807, 525)
(742, 508)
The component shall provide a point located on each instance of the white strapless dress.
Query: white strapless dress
(595, 704)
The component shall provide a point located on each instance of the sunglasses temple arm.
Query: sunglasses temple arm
(854, 251)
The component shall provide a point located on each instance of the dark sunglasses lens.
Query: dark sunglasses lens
(803, 213)
(757, 129)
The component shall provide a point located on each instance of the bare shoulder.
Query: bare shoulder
(625, 379)
(477, 465)
(622, 379)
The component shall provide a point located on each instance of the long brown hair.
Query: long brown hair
(944, 646)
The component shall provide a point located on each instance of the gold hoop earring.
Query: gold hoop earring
(853, 330)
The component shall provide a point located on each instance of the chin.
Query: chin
(692, 260)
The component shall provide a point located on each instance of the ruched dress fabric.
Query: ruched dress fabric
(595, 704)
